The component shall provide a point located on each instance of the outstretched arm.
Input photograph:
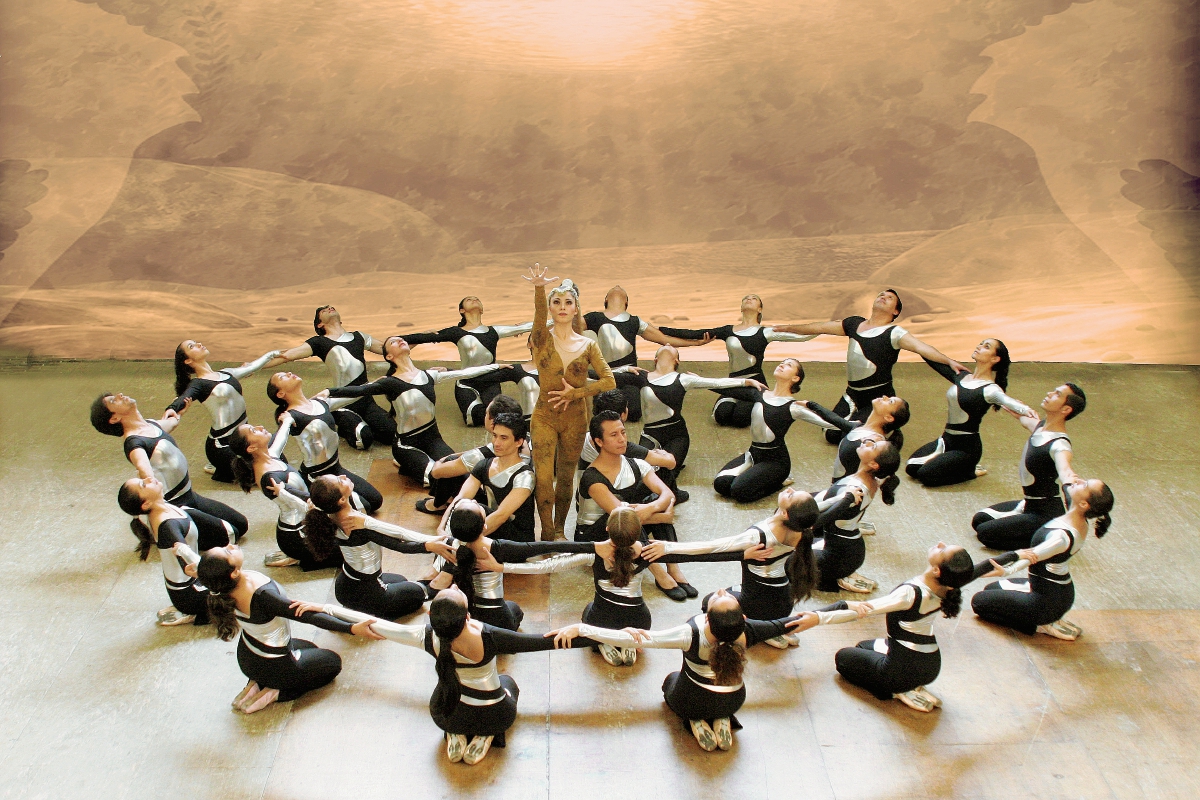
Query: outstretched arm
(469, 372)
(831, 328)
(411, 635)
(505, 331)
(915, 345)
(251, 367)
(294, 354)
(652, 333)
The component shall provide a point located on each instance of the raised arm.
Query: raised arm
(652, 333)
(843, 504)
(190, 394)
(915, 345)
(294, 354)
(251, 367)
(996, 396)
(280, 439)
(945, 370)
(831, 328)
(828, 418)
(802, 413)
(774, 334)
(411, 635)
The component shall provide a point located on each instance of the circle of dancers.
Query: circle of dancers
(562, 441)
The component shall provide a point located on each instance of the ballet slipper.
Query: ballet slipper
(456, 747)
(251, 688)
(477, 749)
(723, 733)
(260, 701)
(704, 735)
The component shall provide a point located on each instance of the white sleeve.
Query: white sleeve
(644, 468)
(526, 480)
(280, 439)
(251, 368)
(471, 458)
(504, 331)
(902, 597)
(411, 635)
(397, 532)
(677, 638)
(289, 502)
(1057, 542)
(773, 335)
(742, 541)
(800, 413)
(188, 555)
(897, 334)
(368, 342)
(469, 372)
(996, 396)
(336, 403)
(642, 325)
(555, 563)
(690, 381)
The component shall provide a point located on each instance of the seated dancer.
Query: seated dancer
(874, 346)
(525, 376)
(315, 430)
(778, 567)
(1045, 467)
(662, 394)
(614, 400)
(507, 481)
(220, 392)
(615, 479)
(746, 345)
(277, 666)
(1039, 604)
(154, 454)
(888, 415)
(473, 703)
(448, 473)
(411, 392)
(343, 352)
(762, 470)
(708, 690)
(954, 456)
(176, 535)
(476, 344)
(900, 665)
(259, 462)
(334, 523)
(477, 565)
(842, 551)
(616, 331)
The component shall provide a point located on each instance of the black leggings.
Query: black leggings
(473, 395)
(673, 437)
(694, 702)
(502, 614)
(215, 508)
(490, 720)
(855, 404)
(886, 674)
(414, 451)
(291, 542)
(383, 594)
(955, 464)
(1011, 525)
(190, 601)
(216, 447)
(764, 477)
(733, 408)
(363, 422)
(631, 388)
(371, 497)
(839, 558)
(604, 614)
(759, 600)
(308, 667)
(1044, 603)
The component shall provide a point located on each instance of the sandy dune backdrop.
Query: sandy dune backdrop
(211, 169)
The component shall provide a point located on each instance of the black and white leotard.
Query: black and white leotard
(443, 490)
(476, 348)
(528, 388)
(222, 397)
(518, 527)
(362, 584)
(318, 439)
(628, 487)
(853, 434)
(617, 338)
(1011, 525)
(186, 594)
(870, 356)
(762, 469)
(842, 550)
(952, 457)
(746, 348)
(362, 422)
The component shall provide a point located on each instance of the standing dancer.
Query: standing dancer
(746, 345)
(874, 346)
(220, 392)
(476, 344)
(616, 332)
(1045, 467)
(1038, 605)
(560, 419)
(954, 457)
(344, 353)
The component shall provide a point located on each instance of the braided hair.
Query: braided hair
(624, 528)
(447, 618)
(216, 573)
(728, 658)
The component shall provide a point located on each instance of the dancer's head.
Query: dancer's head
(752, 304)
(329, 494)
(501, 404)
(466, 524)
(882, 460)
(666, 359)
(799, 513)
(279, 387)
(1067, 401)
(889, 302)
(247, 442)
(187, 355)
(509, 432)
(469, 304)
(791, 373)
(953, 569)
(624, 530)
(612, 400)
(727, 623)
(135, 497)
(617, 299)
(395, 348)
(323, 316)
(220, 570)
(607, 432)
(1096, 500)
(993, 354)
(564, 305)
(893, 411)
(108, 410)
(448, 617)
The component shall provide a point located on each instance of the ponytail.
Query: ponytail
(728, 658)
(1001, 368)
(447, 618)
(281, 405)
(320, 533)
(885, 473)
(887, 490)
(954, 573)
(801, 565)
(183, 371)
(216, 573)
(463, 571)
(952, 603)
(624, 528)
(243, 464)
(131, 504)
(1099, 505)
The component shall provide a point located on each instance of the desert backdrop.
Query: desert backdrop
(214, 169)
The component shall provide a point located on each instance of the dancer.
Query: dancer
(411, 392)
(525, 376)
(219, 391)
(259, 462)
(154, 454)
(708, 691)
(874, 346)
(507, 480)
(176, 535)
(473, 703)
(746, 345)
(954, 457)
(448, 473)
(842, 505)
(662, 393)
(1038, 605)
(616, 331)
(316, 431)
(614, 400)
(1045, 467)
(476, 344)
(900, 665)
(888, 415)
(278, 667)
(787, 571)
(762, 470)
(560, 419)
(334, 523)
(344, 353)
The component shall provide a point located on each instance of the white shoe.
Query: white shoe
(279, 559)
(866, 528)
(788, 481)
(1071, 626)
(456, 747)
(629, 654)
(175, 617)
(857, 583)
(723, 733)
(919, 699)
(613, 655)
(778, 642)
(477, 749)
(260, 701)
(704, 735)
(980, 471)
(209, 469)
(1059, 631)
(250, 690)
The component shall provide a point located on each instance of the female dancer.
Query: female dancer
(343, 352)
(526, 377)
(175, 534)
(842, 506)
(616, 332)
(278, 667)
(220, 391)
(259, 461)
(560, 419)
(761, 470)
(316, 431)
(1045, 467)
(473, 703)
(418, 443)
(787, 573)
(476, 344)
(708, 690)
(900, 665)
(1038, 605)
(662, 394)
(888, 415)
(954, 457)
(334, 523)
(506, 480)
(874, 346)
(154, 454)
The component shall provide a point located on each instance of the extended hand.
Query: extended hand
(537, 276)
(365, 630)
(654, 551)
(803, 621)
